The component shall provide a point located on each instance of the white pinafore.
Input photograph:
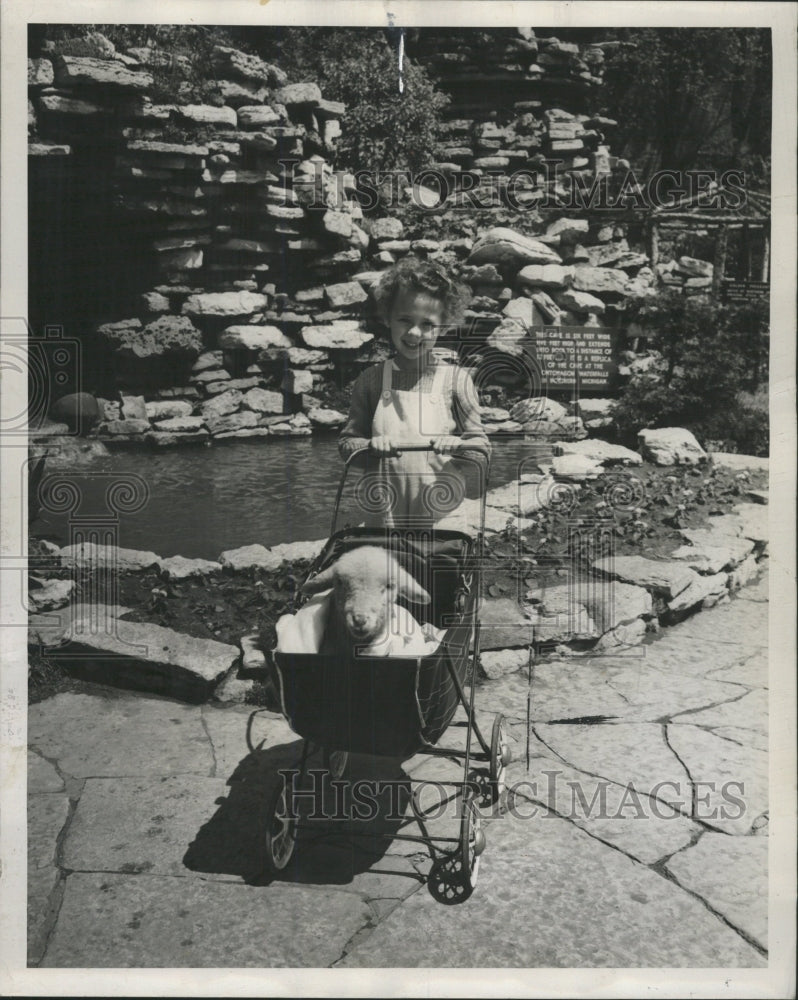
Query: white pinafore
(421, 486)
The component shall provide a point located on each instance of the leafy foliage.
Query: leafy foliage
(713, 354)
(383, 129)
(693, 97)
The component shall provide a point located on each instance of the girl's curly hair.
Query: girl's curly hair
(412, 273)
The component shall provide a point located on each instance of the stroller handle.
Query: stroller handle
(483, 464)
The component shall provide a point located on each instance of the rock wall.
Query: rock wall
(246, 256)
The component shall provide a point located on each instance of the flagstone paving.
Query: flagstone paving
(633, 834)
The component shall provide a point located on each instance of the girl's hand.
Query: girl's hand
(446, 445)
(382, 445)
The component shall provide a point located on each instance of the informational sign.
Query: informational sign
(571, 356)
(745, 291)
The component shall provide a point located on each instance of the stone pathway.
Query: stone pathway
(623, 844)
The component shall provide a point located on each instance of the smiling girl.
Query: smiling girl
(415, 398)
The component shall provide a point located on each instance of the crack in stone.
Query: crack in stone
(54, 902)
(690, 779)
(695, 836)
(618, 784)
(670, 877)
(553, 811)
(368, 926)
(703, 708)
(214, 761)
(55, 898)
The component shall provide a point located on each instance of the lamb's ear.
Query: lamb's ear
(322, 581)
(408, 587)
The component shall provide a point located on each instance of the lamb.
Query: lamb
(363, 617)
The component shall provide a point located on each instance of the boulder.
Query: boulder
(579, 302)
(224, 424)
(296, 426)
(180, 568)
(224, 304)
(547, 418)
(242, 384)
(710, 552)
(207, 114)
(385, 228)
(180, 425)
(509, 250)
(598, 451)
(546, 275)
(324, 417)
(147, 657)
(211, 376)
(548, 307)
(347, 293)
(695, 268)
(337, 335)
(671, 446)
(167, 409)
(559, 615)
(80, 71)
(248, 67)
(40, 73)
(296, 381)
(256, 116)
(666, 579)
(49, 595)
(576, 467)
(124, 428)
(157, 353)
(263, 401)
(599, 280)
(747, 571)
(509, 337)
(612, 603)
(252, 338)
(84, 555)
(133, 408)
(298, 93)
(248, 557)
(154, 302)
(569, 230)
(701, 589)
(79, 410)
(223, 404)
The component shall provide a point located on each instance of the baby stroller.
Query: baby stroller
(399, 706)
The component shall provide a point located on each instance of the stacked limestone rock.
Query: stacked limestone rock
(687, 273)
(258, 252)
(516, 103)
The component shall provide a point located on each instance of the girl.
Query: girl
(415, 398)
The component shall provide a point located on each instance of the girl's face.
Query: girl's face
(415, 321)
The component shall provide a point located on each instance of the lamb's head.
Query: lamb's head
(366, 583)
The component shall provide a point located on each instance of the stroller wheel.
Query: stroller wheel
(500, 756)
(280, 836)
(336, 762)
(472, 844)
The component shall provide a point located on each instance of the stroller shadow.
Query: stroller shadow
(333, 846)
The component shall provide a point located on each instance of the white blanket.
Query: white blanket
(303, 632)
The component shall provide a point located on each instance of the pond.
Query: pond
(201, 501)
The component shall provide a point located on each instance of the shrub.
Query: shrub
(714, 353)
(382, 129)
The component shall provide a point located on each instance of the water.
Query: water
(201, 501)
